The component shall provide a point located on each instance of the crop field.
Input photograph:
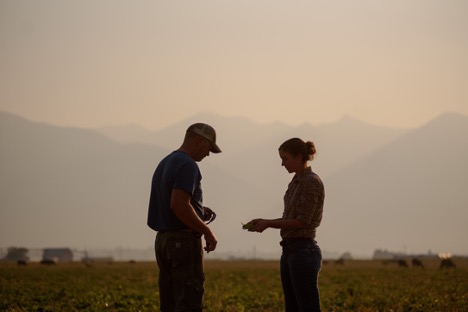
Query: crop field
(233, 286)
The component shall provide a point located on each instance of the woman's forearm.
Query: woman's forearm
(260, 225)
(285, 224)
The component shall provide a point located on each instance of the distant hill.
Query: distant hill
(130, 133)
(246, 142)
(67, 186)
(74, 187)
(235, 134)
(409, 194)
(386, 188)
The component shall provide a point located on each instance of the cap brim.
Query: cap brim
(214, 148)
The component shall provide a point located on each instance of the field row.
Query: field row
(233, 286)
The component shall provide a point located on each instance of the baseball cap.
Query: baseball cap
(207, 132)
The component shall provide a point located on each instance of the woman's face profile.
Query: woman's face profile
(290, 162)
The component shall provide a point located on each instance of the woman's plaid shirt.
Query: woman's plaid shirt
(304, 201)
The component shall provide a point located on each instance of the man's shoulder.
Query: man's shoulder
(178, 159)
(178, 156)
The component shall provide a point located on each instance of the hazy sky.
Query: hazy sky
(90, 63)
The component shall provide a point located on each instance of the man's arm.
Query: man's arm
(181, 206)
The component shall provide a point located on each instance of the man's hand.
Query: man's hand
(210, 242)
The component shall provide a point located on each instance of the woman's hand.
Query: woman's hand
(259, 225)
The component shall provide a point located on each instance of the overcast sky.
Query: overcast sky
(91, 63)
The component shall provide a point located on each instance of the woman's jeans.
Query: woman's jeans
(300, 265)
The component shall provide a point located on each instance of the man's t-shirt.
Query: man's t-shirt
(176, 171)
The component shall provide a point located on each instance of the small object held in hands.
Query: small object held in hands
(208, 215)
(247, 226)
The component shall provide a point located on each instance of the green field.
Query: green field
(233, 286)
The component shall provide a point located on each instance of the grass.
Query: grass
(233, 286)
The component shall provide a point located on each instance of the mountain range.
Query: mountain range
(396, 189)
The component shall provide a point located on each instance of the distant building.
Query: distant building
(17, 254)
(57, 254)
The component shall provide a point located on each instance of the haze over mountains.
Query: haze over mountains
(401, 190)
